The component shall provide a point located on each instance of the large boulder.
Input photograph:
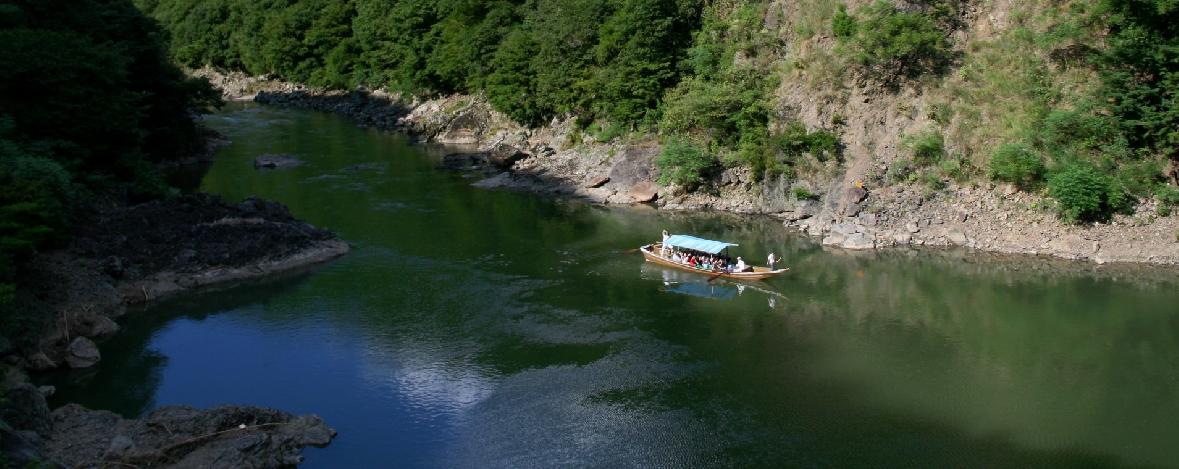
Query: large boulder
(100, 326)
(644, 192)
(956, 236)
(852, 201)
(503, 156)
(39, 361)
(597, 181)
(82, 353)
(858, 241)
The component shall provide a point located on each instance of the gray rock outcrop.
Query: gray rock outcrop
(82, 353)
(25, 409)
(181, 436)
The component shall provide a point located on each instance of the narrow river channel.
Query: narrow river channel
(474, 328)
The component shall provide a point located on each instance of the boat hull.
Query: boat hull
(651, 254)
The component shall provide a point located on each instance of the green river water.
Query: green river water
(474, 328)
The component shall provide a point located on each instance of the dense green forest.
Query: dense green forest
(89, 104)
(701, 74)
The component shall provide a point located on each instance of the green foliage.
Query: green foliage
(957, 168)
(1016, 164)
(636, 58)
(1082, 132)
(892, 43)
(795, 141)
(802, 193)
(1168, 197)
(683, 162)
(35, 194)
(932, 181)
(843, 25)
(1140, 72)
(88, 104)
(535, 60)
(1140, 177)
(511, 87)
(925, 148)
(900, 170)
(721, 111)
(1084, 193)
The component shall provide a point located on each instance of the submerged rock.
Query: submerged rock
(464, 161)
(276, 161)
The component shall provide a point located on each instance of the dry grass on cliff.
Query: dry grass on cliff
(1014, 65)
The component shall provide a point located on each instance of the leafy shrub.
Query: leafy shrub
(722, 111)
(683, 163)
(1081, 131)
(899, 171)
(754, 151)
(34, 198)
(1140, 177)
(1084, 193)
(795, 140)
(940, 112)
(1168, 197)
(932, 181)
(1016, 164)
(894, 43)
(1138, 71)
(802, 193)
(843, 25)
(927, 148)
(824, 145)
(956, 168)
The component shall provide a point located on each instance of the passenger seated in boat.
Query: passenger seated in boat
(740, 267)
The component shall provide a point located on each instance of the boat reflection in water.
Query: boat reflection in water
(691, 284)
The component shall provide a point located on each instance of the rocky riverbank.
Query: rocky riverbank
(124, 256)
(171, 436)
(561, 160)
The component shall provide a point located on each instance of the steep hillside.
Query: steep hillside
(1017, 114)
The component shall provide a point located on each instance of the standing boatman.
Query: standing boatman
(663, 246)
(771, 260)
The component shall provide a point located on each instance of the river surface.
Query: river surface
(475, 328)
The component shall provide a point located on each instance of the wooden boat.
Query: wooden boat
(651, 254)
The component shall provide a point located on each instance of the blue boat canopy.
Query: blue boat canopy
(697, 244)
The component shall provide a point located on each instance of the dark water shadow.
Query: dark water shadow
(131, 366)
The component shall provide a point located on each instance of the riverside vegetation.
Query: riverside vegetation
(92, 110)
(89, 106)
(1071, 100)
